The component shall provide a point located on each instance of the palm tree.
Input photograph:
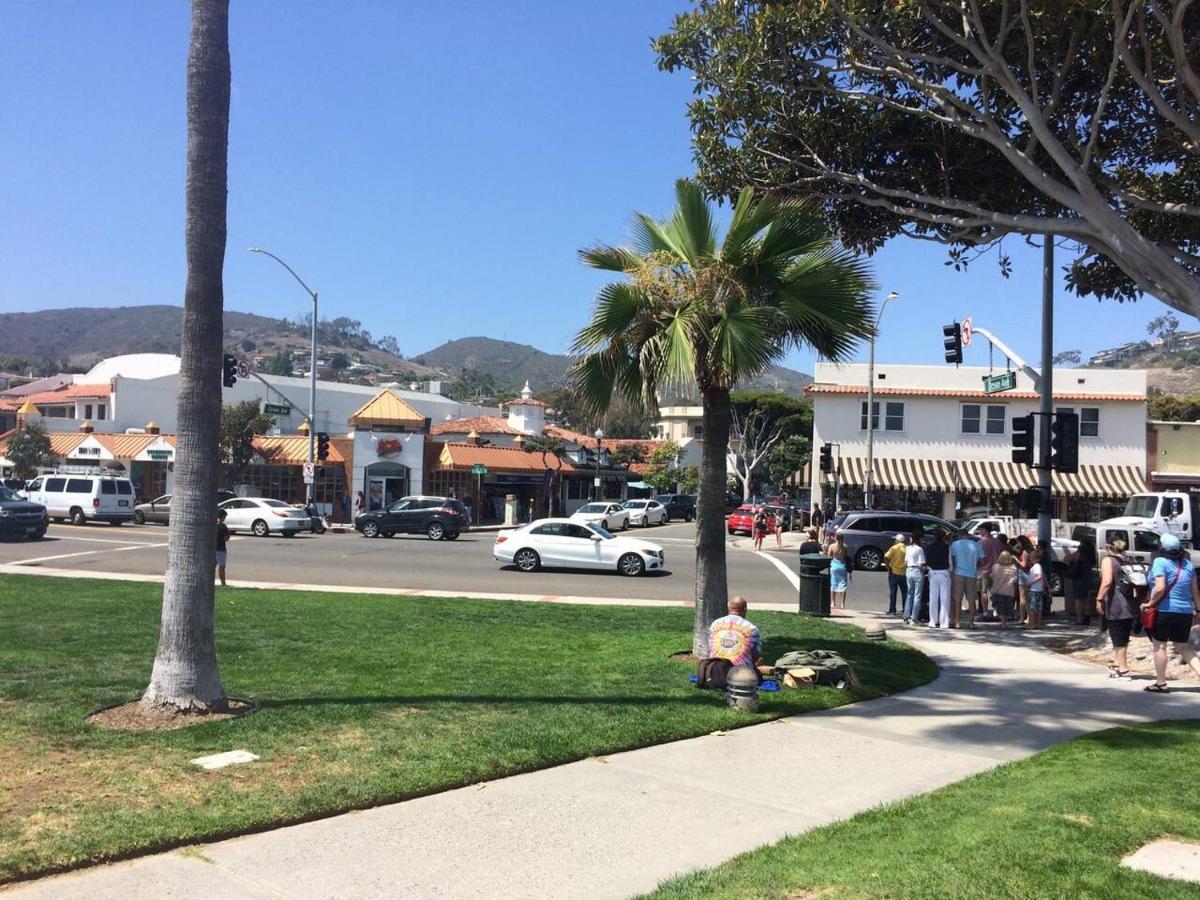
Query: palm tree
(697, 314)
(185, 677)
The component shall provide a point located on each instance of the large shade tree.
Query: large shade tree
(185, 677)
(965, 121)
(697, 313)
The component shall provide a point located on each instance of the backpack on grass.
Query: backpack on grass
(713, 674)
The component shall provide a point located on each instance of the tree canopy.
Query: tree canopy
(1173, 408)
(964, 123)
(240, 422)
(29, 449)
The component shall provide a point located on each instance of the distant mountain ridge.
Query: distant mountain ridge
(511, 364)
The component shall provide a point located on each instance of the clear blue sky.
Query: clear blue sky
(430, 168)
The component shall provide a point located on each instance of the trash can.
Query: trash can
(814, 584)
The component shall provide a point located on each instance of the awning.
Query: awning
(989, 476)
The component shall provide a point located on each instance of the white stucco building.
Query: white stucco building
(943, 446)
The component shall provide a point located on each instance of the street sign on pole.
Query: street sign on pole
(968, 329)
(243, 369)
(994, 384)
(276, 409)
(479, 470)
(310, 470)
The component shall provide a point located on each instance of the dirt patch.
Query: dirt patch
(683, 656)
(1097, 649)
(133, 717)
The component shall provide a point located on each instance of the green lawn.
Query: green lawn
(1055, 825)
(364, 700)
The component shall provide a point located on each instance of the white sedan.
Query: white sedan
(563, 543)
(646, 512)
(261, 516)
(607, 514)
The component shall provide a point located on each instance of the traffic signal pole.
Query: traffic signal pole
(1046, 391)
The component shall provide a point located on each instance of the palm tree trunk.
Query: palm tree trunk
(185, 676)
(712, 588)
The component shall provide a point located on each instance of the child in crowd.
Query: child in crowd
(1004, 576)
(1037, 589)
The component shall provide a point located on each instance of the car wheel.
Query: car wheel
(869, 559)
(604, 524)
(452, 537)
(646, 521)
(259, 528)
(388, 534)
(37, 535)
(436, 531)
(289, 534)
(139, 517)
(666, 518)
(689, 517)
(371, 529)
(631, 564)
(732, 531)
(527, 560)
(1058, 587)
(77, 517)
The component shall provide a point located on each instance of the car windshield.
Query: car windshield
(664, 499)
(274, 503)
(634, 504)
(607, 535)
(1144, 506)
(7, 496)
(594, 508)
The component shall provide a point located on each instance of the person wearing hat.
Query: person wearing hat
(1176, 596)
(897, 572)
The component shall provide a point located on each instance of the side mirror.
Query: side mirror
(596, 537)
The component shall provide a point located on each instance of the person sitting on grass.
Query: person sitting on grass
(733, 640)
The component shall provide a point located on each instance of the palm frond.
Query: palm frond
(794, 232)
(650, 236)
(824, 302)
(750, 218)
(692, 226)
(611, 259)
(617, 305)
(742, 341)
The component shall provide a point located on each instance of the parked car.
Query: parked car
(158, 510)
(608, 514)
(868, 533)
(437, 518)
(678, 506)
(567, 544)
(21, 518)
(646, 512)
(83, 498)
(262, 516)
(741, 520)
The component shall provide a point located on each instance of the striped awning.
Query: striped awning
(989, 476)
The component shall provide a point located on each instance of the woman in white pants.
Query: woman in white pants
(937, 557)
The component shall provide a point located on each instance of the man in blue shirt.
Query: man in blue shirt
(1175, 593)
(964, 580)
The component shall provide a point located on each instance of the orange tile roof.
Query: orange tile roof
(386, 408)
(478, 424)
(62, 443)
(71, 392)
(292, 449)
(127, 446)
(497, 459)
(939, 392)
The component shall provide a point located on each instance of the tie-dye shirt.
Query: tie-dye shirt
(735, 639)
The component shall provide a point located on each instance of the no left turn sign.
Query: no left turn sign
(967, 331)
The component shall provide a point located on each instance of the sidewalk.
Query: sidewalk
(617, 826)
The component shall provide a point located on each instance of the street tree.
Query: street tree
(964, 123)
(1174, 408)
(552, 451)
(240, 423)
(185, 678)
(628, 454)
(751, 437)
(693, 312)
(29, 449)
(662, 469)
(789, 457)
(1067, 358)
(280, 363)
(1164, 328)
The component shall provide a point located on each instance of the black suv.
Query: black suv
(870, 532)
(20, 518)
(679, 506)
(436, 517)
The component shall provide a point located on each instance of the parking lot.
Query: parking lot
(405, 563)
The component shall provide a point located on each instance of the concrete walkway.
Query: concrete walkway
(617, 826)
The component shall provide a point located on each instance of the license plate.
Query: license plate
(123, 502)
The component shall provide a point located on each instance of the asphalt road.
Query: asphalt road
(412, 563)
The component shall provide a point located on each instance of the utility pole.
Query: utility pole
(1046, 389)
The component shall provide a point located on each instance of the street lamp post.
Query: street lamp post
(869, 480)
(596, 484)
(312, 368)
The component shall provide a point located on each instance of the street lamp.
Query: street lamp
(312, 367)
(868, 481)
(596, 484)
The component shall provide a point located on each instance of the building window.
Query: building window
(980, 419)
(893, 416)
(87, 410)
(697, 431)
(1089, 421)
(101, 412)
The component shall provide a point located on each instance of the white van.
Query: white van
(83, 498)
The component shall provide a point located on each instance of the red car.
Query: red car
(741, 520)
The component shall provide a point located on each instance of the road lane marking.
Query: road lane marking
(88, 540)
(42, 559)
(791, 576)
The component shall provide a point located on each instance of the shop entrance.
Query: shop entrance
(386, 483)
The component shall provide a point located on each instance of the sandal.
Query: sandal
(1156, 688)
(1116, 673)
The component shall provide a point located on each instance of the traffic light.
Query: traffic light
(953, 342)
(1030, 501)
(229, 370)
(1022, 439)
(322, 445)
(1064, 442)
(827, 457)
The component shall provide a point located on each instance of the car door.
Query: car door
(160, 510)
(549, 541)
(391, 518)
(579, 548)
(238, 514)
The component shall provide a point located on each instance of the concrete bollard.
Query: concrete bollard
(741, 688)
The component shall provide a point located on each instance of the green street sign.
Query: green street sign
(994, 384)
(276, 409)
(159, 455)
(479, 470)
